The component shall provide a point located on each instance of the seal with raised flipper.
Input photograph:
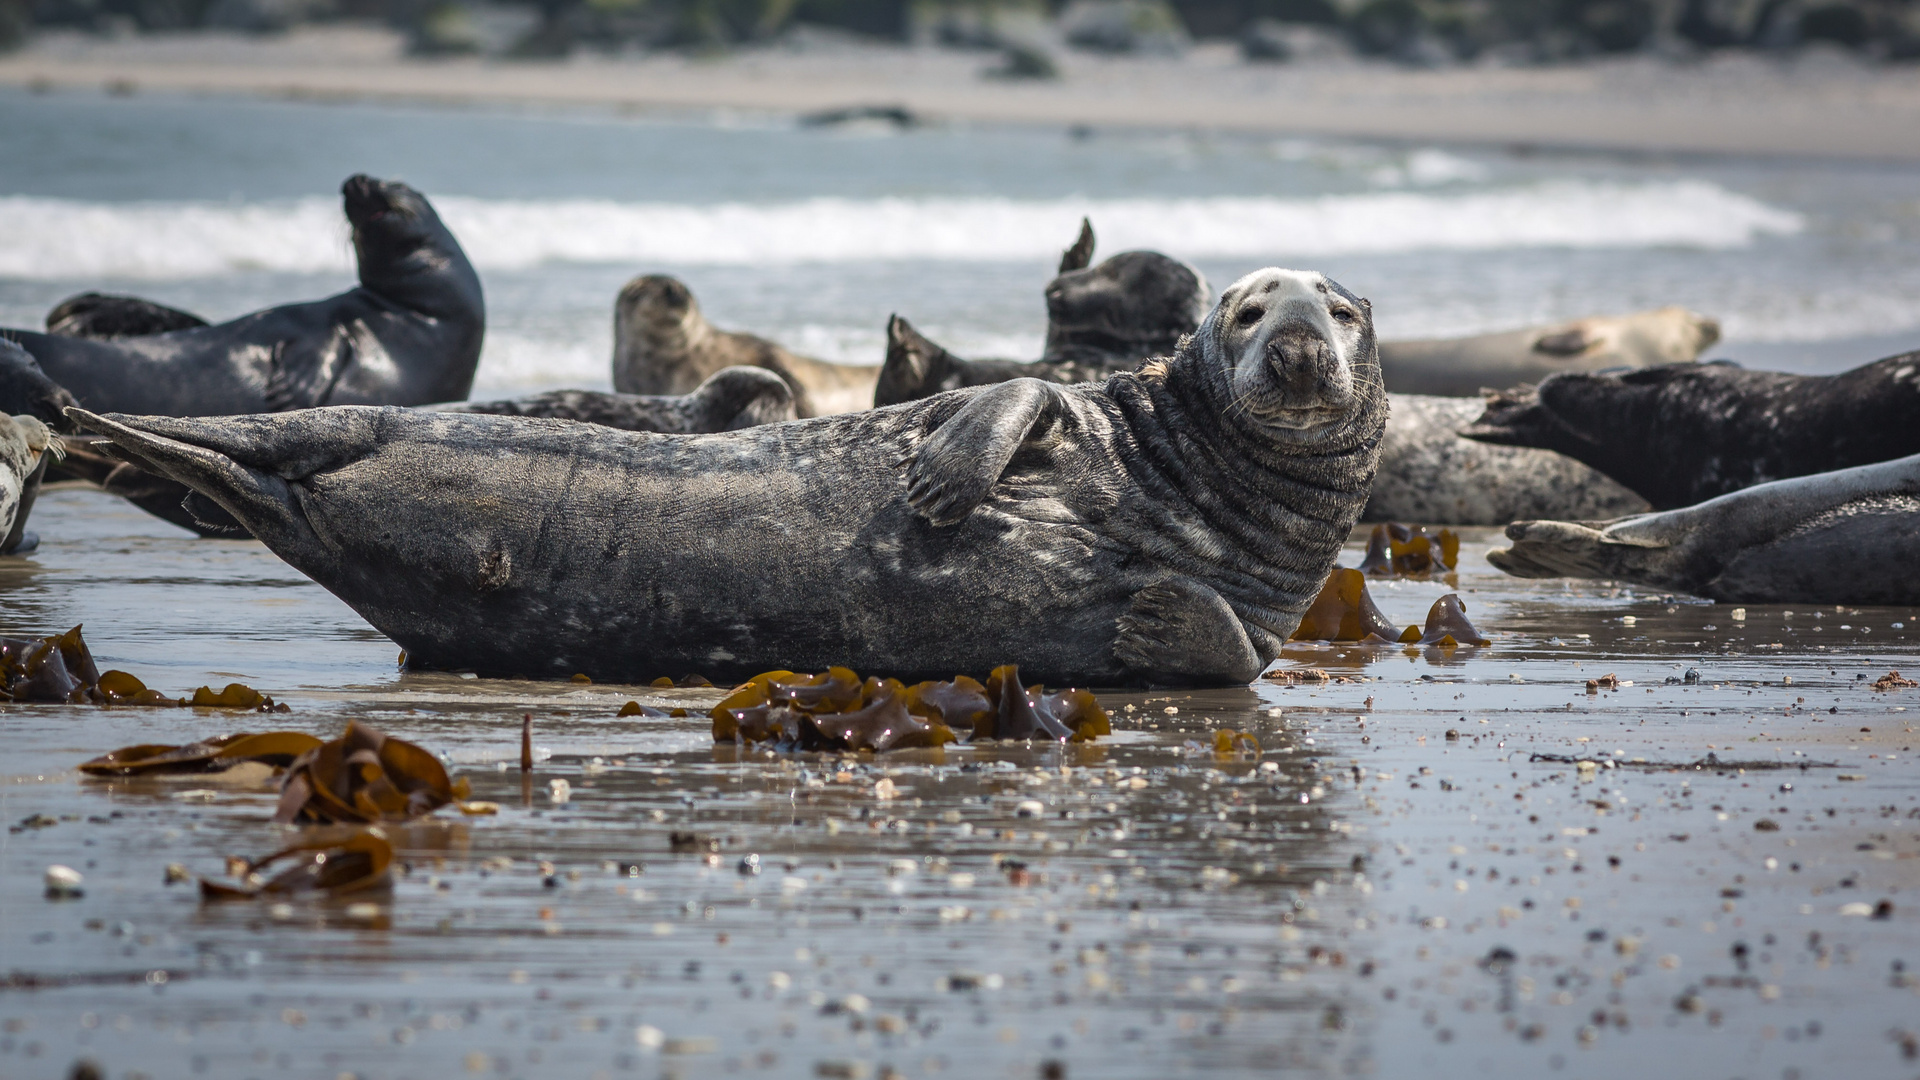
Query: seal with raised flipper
(409, 334)
(1166, 527)
(1841, 537)
(1685, 433)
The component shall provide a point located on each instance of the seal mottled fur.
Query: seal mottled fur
(1166, 527)
(730, 399)
(1685, 433)
(409, 334)
(1429, 474)
(1843, 537)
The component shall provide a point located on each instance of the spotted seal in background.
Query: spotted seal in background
(1166, 527)
(663, 344)
(1429, 474)
(1465, 366)
(1685, 433)
(1845, 537)
(409, 334)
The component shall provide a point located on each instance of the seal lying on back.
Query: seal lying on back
(1100, 320)
(731, 399)
(663, 344)
(1453, 367)
(1843, 537)
(1429, 474)
(1166, 527)
(1464, 367)
(408, 335)
(1686, 433)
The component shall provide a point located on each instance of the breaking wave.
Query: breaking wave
(55, 239)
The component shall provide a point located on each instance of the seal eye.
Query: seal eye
(1251, 314)
(1343, 315)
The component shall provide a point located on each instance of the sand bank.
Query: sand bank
(1817, 105)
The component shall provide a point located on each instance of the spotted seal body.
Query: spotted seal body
(408, 335)
(34, 403)
(1465, 366)
(1842, 537)
(1166, 527)
(1685, 433)
(663, 344)
(730, 399)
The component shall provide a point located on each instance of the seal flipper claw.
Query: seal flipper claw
(1177, 631)
(961, 460)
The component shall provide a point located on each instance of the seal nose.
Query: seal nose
(364, 197)
(1299, 354)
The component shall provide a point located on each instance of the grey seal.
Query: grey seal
(25, 445)
(1165, 527)
(408, 335)
(663, 344)
(1464, 367)
(1448, 367)
(1841, 537)
(110, 317)
(730, 399)
(1430, 475)
(1101, 319)
(1685, 433)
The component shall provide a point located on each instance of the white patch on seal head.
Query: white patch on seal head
(1258, 307)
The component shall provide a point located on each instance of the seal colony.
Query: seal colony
(1165, 527)
(1842, 537)
(1681, 434)
(408, 335)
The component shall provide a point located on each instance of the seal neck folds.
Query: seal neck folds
(1259, 438)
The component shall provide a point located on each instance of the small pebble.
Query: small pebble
(63, 883)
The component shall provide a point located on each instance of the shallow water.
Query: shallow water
(1327, 908)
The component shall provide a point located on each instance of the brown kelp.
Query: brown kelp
(837, 710)
(59, 669)
(1396, 550)
(276, 748)
(362, 777)
(313, 868)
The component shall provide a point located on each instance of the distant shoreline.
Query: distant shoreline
(1821, 107)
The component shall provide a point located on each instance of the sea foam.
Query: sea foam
(54, 239)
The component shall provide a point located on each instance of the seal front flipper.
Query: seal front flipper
(961, 460)
(1179, 632)
(104, 317)
(301, 376)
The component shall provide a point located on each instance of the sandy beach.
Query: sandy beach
(1816, 104)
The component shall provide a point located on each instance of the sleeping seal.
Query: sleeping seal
(408, 335)
(731, 399)
(1166, 527)
(1100, 320)
(1843, 537)
(1463, 367)
(663, 344)
(1685, 433)
(1429, 474)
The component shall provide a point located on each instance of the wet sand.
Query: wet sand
(1402, 883)
(1817, 103)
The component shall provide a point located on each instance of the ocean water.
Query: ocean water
(815, 236)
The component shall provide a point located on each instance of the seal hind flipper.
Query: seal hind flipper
(963, 457)
(106, 317)
(1080, 255)
(1548, 549)
(1179, 631)
(915, 367)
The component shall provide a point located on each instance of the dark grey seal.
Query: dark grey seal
(731, 399)
(408, 335)
(1166, 527)
(1843, 537)
(1429, 475)
(663, 344)
(107, 317)
(1685, 433)
(1100, 320)
(1465, 366)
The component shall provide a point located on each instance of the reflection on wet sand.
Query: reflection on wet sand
(1439, 858)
